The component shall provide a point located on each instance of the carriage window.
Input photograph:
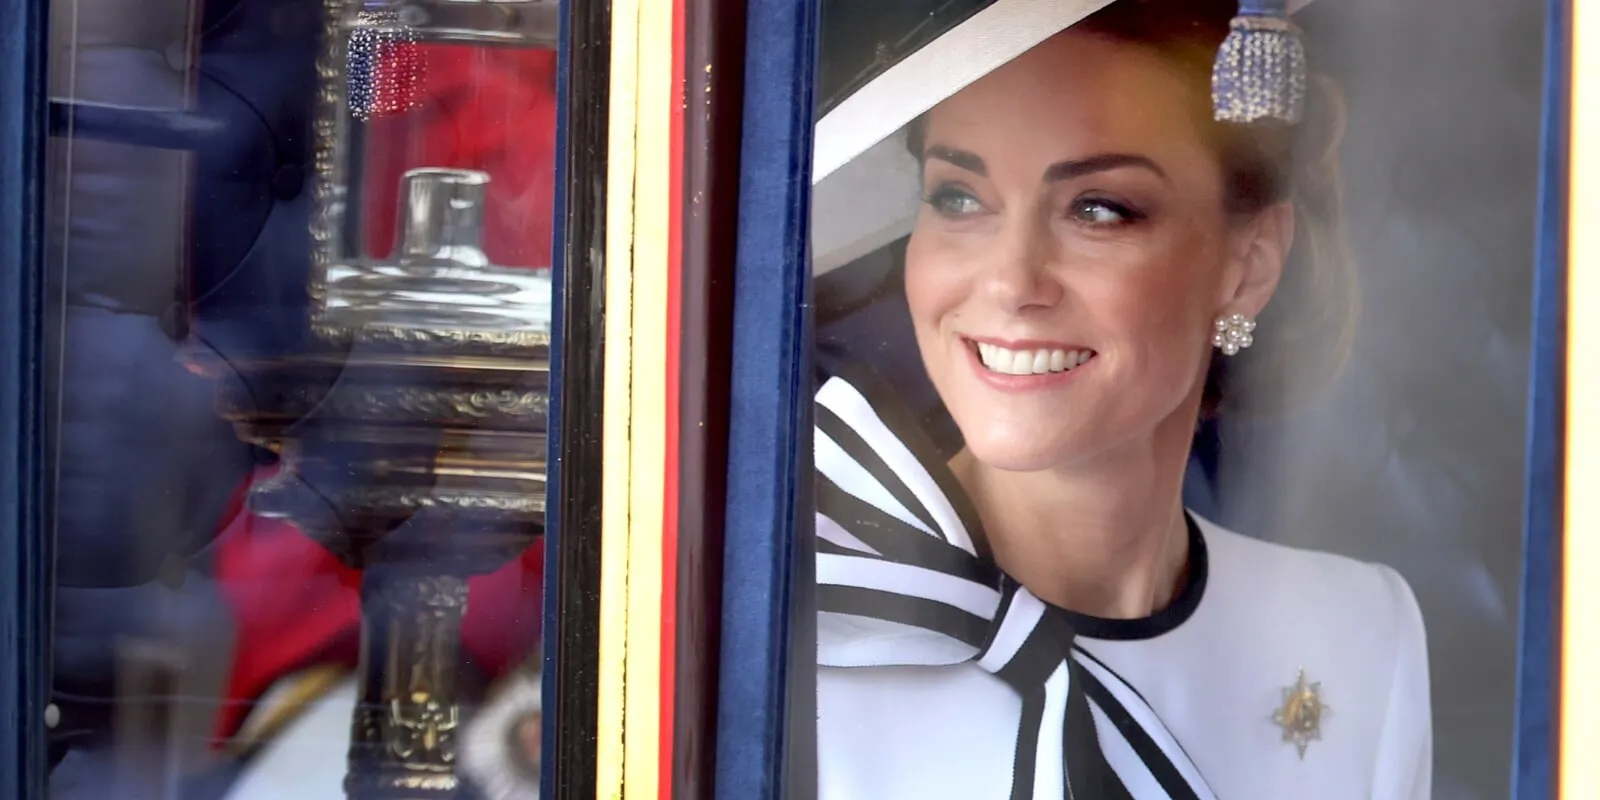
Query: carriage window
(302, 255)
(1170, 418)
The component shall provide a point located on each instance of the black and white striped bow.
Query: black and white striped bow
(900, 557)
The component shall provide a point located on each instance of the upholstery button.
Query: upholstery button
(288, 182)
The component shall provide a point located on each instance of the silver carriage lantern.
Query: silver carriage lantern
(411, 424)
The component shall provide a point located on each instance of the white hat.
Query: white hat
(910, 55)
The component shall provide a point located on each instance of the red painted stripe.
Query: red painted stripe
(674, 409)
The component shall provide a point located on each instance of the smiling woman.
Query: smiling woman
(1111, 217)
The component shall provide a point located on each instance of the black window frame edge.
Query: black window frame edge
(571, 626)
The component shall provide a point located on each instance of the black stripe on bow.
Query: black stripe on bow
(895, 540)
(1043, 650)
(1160, 763)
(1027, 745)
(1046, 649)
(904, 426)
(862, 453)
(918, 612)
(1088, 772)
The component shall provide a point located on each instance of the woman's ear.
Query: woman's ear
(1258, 251)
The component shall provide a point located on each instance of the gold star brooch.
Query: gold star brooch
(1302, 713)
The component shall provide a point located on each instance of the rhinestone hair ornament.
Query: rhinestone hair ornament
(385, 66)
(1260, 73)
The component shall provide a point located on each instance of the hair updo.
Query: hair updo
(1304, 334)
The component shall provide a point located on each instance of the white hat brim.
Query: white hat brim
(864, 180)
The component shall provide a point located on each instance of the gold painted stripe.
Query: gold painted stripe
(617, 402)
(652, 209)
(1580, 621)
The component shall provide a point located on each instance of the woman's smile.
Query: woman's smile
(1028, 365)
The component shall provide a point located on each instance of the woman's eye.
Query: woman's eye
(1091, 211)
(953, 202)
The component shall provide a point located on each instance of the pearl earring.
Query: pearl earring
(1232, 333)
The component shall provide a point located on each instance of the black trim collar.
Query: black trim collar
(1167, 619)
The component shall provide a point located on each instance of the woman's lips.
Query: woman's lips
(1017, 366)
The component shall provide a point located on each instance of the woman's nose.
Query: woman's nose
(1019, 275)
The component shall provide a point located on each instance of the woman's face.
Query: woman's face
(1073, 253)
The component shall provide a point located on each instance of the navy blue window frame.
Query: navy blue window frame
(24, 541)
(1533, 764)
(765, 660)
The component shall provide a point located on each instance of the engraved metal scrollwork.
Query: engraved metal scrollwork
(389, 500)
(520, 344)
(395, 403)
(411, 714)
(447, 404)
(420, 729)
(420, 726)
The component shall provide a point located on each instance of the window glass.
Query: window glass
(301, 260)
(1171, 412)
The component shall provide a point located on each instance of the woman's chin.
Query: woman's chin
(1015, 451)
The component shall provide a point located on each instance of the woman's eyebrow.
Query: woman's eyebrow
(962, 159)
(1078, 167)
(1059, 171)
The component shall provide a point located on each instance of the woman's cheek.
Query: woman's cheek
(934, 285)
(1153, 315)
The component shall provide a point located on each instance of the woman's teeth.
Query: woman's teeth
(1030, 362)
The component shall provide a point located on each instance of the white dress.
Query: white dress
(1215, 672)
(1276, 673)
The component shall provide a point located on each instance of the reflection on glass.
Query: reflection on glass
(337, 565)
(438, 274)
(437, 148)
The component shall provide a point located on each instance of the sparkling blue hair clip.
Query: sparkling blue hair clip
(1260, 74)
